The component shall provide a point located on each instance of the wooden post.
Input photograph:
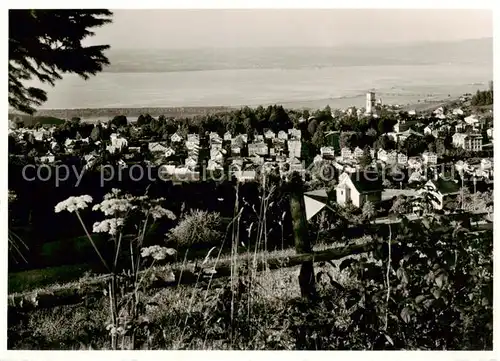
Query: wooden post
(301, 237)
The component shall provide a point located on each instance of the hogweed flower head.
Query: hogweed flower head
(157, 252)
(110, 226)
(158, 212)
(112, 206)
(73, 204)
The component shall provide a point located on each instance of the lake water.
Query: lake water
(292, 77)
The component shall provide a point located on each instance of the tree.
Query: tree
(348, 139)
(400, 205)
(318, 139)
(312, 126)
(368, 211)
(384, 142)
(366, 159)
(119, 121)
(44, 44)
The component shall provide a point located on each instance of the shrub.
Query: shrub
(197, 228)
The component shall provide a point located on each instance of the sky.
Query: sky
(134, 29)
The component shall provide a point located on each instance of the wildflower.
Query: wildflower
(113, 206)
(73, 203)
(158, 212)
(115, 192)
(108, 226)
(157, 252)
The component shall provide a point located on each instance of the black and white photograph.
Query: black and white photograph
(249, 179)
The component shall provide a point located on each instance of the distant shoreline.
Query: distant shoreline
(93, 114)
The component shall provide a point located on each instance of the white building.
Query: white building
(269, 134)
(245, 175)
(294, 148)
(282, 135)
(118, 141)
(357, 153)
(486, 164)
(370, 102)
(327, 151)
(402, 159)
(346, 154)
(193, 138)
(258, 138)
(48, 158)
(428, 130)
(213, 165)
(414, 163)
(295, 133)
(175, 138)
(259, 148)
(157, 147)
(470, 142)
(472, 120)
(190, 163)
(430, 158)
(214, 136)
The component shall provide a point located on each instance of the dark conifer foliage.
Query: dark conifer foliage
(44, 44)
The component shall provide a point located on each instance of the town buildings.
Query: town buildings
(468, 141)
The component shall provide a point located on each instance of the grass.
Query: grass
(265, 311)
(183, 317)
(45, 277)
(173, 324)
(70, 275)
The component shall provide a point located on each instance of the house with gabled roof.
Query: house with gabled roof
(241, 139)
(327, 152)
(214, 135)
(269, 134)
(358, 188)
(259, 148)
(430, 158)
(47, 158)
(258, 138)
(428, 130)
(402, 159)
(282, 135)
(235, 150)
(357, 153)
(228, 136)
(346, 154)
(176, 138)
(468, 141)
(193, 138)
(169, 152)
(190, 163)
(214, 165)
(157, 147)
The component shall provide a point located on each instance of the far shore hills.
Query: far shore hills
(94, 114)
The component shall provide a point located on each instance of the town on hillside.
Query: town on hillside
(448, 149)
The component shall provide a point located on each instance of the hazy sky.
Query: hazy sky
(254, 28)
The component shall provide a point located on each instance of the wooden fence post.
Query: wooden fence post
(301, 236)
